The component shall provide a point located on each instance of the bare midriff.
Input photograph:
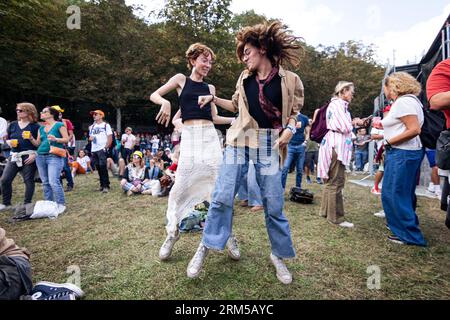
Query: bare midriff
(197, 122)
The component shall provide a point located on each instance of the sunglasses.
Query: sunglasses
(19, 111)
(45, 111)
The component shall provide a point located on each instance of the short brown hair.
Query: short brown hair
(195, 50)
(402, 83)
(30, 109)
(280, 46)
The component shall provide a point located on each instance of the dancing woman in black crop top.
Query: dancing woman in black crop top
(200, 148)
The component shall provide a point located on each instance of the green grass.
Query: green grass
(115, 241)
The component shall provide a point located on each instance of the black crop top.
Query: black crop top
(188, 100)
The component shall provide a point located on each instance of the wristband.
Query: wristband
(292, 128)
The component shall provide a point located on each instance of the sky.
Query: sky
(401, 30)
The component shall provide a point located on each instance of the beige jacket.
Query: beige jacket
(292, 97)
(10, 249)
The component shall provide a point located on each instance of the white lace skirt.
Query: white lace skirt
(198, 167)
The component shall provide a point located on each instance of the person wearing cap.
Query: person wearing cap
(128, 142)
(335, 153)
(136, 179)
(67, 170)
(100, 136)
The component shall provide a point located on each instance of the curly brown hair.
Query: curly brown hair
(281, 47)
(195, 50)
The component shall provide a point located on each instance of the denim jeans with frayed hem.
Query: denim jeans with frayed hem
(50, 167)
(218, 226)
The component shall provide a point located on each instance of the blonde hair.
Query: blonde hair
(30, 109)
(195, 50)
(343, 86)
(402, 83)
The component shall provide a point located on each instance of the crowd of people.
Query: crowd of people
(268, 138)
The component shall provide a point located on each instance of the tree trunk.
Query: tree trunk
(118, 120)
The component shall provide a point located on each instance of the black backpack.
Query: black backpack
(433, 125)
(301, 196)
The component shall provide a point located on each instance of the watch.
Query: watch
(292, 128)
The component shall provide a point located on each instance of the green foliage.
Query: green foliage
(118, 59)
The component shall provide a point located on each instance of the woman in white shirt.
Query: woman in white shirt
(404, 154)
(82, 164)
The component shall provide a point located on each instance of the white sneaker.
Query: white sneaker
(196, 263)
(166, 249)
(346, 224)
(61, 208)
(233, 249)
(283, 273)
(380, 214)
(431, 187)
(3, 207)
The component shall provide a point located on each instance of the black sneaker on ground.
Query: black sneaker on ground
(55, 291)
(68, 189)
(395, 239)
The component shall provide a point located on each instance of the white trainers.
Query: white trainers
(61, 208)
(431, 187)
(233, 249)
(346, 224)
(196, 263)
(3, 207)
(283, 273)
(166, 249)
(380, 214)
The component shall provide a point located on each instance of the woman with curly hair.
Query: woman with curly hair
(268, 99)
(200, 151)
(404, 154)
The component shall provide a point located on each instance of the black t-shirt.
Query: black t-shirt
(14, 132)
(272, 91)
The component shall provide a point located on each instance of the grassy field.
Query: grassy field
(115, 239)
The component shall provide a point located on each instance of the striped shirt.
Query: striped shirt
(339, 137)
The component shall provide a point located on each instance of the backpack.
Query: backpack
(301, 196)
(319, 126)
(443, 150)
(433, 125)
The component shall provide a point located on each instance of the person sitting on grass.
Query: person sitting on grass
(136, 176)
(82, 164)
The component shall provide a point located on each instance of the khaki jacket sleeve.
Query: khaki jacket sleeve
(299, 97)
(235, 98)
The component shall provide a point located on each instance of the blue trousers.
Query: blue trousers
(398, 194)
(295, 153)
(219, 221)
(49, 167)
(249, 189)
(361, 158)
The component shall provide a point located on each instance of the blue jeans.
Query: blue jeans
(398, 194)
(218, 226)
(249, 189)
(295, 153)
(50, 167)
(67, 172)
(361, 158)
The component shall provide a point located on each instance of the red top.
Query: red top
(68, 124)
(438, 82)
(173, 167)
